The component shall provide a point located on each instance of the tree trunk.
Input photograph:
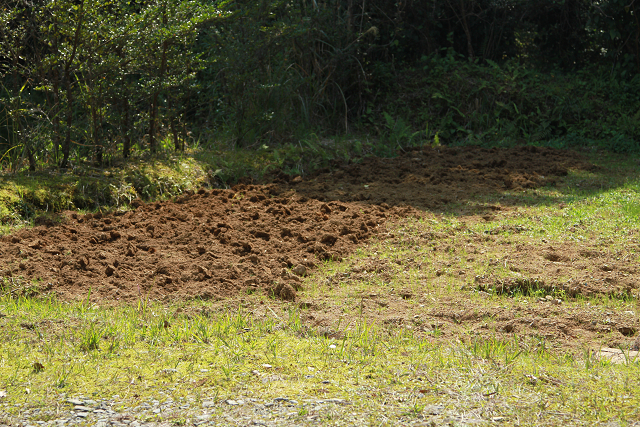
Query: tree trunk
(32, 159)
(94, 134)
(17, 119)
(66, 144)
(174, 130)
(152, 124)
(66, 147)
(126, 143)
(465, 26)
(154, 105)
(176, 140)
(56, 110)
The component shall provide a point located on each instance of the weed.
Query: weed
(91, 339)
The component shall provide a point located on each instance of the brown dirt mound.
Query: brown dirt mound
(429, 178)
(208, 245)
(218, 243)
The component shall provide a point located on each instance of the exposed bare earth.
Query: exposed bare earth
(222, 244)
(212, 244)
(431, 178)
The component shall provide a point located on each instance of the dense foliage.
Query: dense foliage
(98, 79)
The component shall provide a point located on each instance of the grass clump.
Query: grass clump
(25, 196)
(201, 352)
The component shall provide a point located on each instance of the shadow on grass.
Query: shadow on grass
(446, 180)
(468, 180)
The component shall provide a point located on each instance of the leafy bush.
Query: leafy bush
(97, 80)
(469, 102)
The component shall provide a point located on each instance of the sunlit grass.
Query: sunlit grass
(56, 349)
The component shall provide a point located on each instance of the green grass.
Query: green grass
(27, 195)
(199, 352)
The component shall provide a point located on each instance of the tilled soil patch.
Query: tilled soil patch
(429, 178)
(218, 243)
(208, 245)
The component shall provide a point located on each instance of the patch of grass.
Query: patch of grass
(568, 253)
(228, 166)
(25, 196)
(228, 353)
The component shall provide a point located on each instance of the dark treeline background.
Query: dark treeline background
(102, 79)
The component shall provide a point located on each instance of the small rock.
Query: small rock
(337, 401)
(208, 403)
(82, 408)
(82, 414)
(433, 409)
(300, 270)
(617, 356)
